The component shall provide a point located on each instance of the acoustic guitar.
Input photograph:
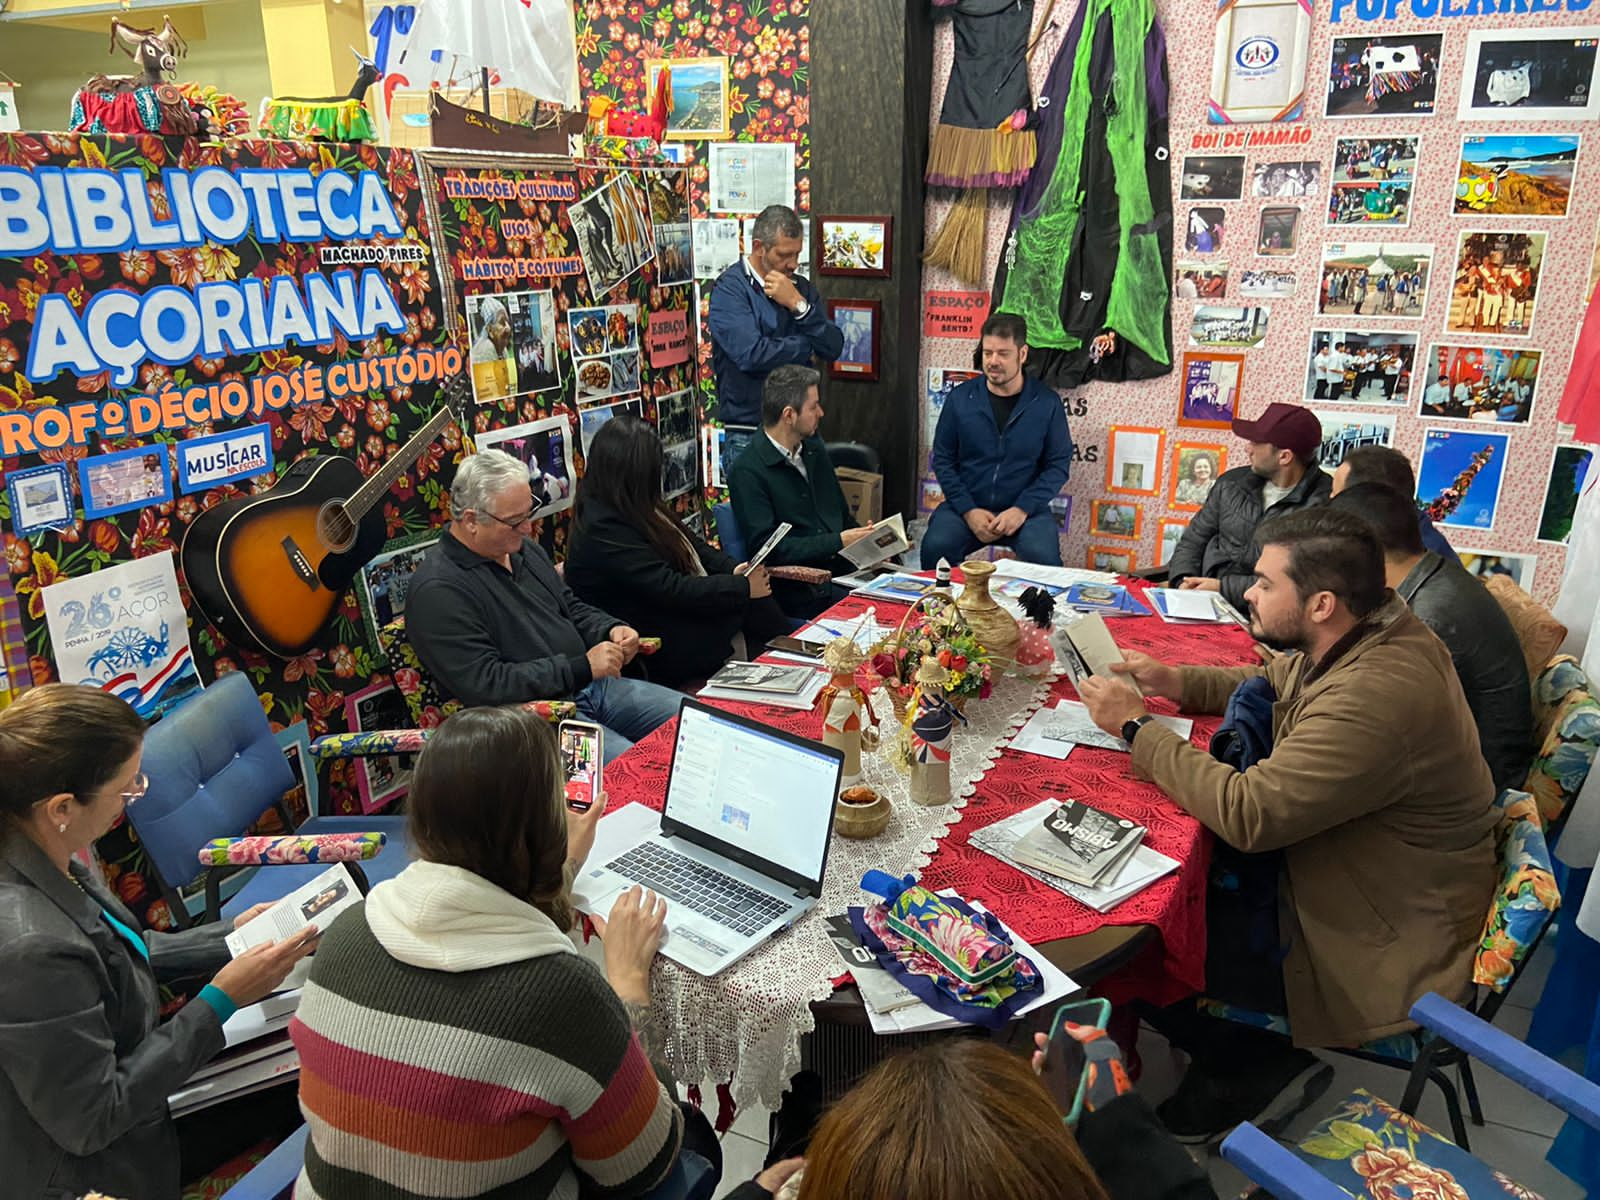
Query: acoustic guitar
(268, 570)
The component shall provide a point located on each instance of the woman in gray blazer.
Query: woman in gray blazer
(85, 1067)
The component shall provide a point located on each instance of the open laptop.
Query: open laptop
(739, 852)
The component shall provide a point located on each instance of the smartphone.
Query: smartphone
(1064, 1059)
(793, 645)
(580, 759)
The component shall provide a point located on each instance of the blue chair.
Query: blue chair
(1367, 1144)
(728, 531)
(214, 768)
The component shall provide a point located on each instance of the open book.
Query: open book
(316, 903)
(1086, 647)
(888, 538)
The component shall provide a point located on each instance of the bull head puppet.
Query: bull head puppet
(157, 53)
(147, 102)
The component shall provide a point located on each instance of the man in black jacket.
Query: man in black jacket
(1218, 550)
(494, 623)
(1468, 620)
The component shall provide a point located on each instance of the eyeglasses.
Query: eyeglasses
(508, 522)
(141, 785)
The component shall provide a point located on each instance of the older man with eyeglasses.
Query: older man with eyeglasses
(495, 624)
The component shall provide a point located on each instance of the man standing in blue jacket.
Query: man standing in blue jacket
(764, 316)
(1002, 452)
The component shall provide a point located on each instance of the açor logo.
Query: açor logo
(1256, 53)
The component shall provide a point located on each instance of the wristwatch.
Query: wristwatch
(1131, 728)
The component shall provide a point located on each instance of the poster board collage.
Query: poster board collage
(1386, 257)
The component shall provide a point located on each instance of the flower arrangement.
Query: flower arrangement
(943, 637)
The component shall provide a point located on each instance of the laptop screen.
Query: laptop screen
(765, 795)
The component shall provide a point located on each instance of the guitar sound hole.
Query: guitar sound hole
(334, 527)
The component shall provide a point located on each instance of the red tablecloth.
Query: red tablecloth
(1174, 906)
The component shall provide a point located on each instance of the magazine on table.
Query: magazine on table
(762, 677)
(1108, 599)
(316, 903)
(887, 539)
(1080, 843)
(902, 587)
(880, 991)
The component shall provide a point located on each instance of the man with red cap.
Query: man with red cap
(1218, 550)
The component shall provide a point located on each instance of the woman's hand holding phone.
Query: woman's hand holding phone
(1102, 1071)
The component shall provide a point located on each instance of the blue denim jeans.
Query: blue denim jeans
(628, 709)
(734, 439)
(1038, 541)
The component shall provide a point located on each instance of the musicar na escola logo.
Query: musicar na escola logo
(1256, 54)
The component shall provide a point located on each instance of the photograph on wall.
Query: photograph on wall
(667, 192)
(1196, 279)
(748, 225)
(745, 177)
(1270, 283)
(680, 468)
(1116, 559)
(674, 254)
(941, 381)
(1480, 383)
(1196, 467)
(612, 228)
(1258, 62)
(545, 446)
(1395, 75)
(1343, 432)
(605, 350)
(1212, 177)
(855, 246)
(699, 96)
(1211, 387)
(1203, 234)
(591, 419)
(929, 496)
(304, 798)
(715, 245)
(858, 321)
(1134, 464)
(513, 344)
(1360, 367)
(1286, 180)
(1170, 533)
(1512, 175)
(1569, 467)
(381, 585)
(1496, 284)
(1114, 518)
(1061, 510)
(381, 780)
(1459, 476)
(1531, 75)
(41, 498)
(1236, 328)
(1370, 160)
(1485, 564)
(716, 439)
(1375, 279)
(126, 479)
(675, 417)
(1278, 232)
(1371, 202)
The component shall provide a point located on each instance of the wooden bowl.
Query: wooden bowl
(860, 813)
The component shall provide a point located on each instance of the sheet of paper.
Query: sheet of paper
(1183, 605)
(746, 177)
(716, 246)
(1095, 644)
(866, 631)
(1015, 568)
(1069, 722)
(888, 538)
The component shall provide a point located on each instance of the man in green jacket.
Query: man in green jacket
(786, 475)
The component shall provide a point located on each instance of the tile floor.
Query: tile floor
(1518, 1131)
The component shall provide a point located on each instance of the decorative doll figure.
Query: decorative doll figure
(1034, 655)
(932, 731)
(843, 703)
(143, 103)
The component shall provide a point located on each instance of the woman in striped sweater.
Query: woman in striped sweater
(452, 1041)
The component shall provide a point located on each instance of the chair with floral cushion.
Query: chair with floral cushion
(1567, 733)
(1369, 1147)
(1524, 903)
(421, 691)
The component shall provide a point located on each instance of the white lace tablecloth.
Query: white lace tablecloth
(746, 1023)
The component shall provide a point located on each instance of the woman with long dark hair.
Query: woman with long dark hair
(631, 556)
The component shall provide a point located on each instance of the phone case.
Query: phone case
(1094, 1012)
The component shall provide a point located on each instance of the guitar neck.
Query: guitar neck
(370, 492)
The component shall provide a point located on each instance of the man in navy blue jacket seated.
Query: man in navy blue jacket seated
(764, 316)
(1381, 464)
(1002, 452)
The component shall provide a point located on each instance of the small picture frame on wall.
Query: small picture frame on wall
(379, 779)
(1196, 467)
(861, 246)
(1169, 533)
(1278, 234)
(859, 321)
(41, 498)
(1115, 519)
(125, 479)
(1119, 560)
(699, 97)
(1211, 384)
(1134, 464)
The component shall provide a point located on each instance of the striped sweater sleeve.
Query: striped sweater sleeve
(627, 1140)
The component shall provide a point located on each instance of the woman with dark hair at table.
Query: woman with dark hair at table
(963, 1117)
(86, 1063)
(632, 557)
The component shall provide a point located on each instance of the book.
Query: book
(1086, 647)
(767, 547)
(1109, 599)
(902, 587)
(887, 539)
(315, 903)
(880, 991)
(762, 677)
(1080, 843)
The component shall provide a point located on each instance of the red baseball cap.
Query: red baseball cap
(1286, 426)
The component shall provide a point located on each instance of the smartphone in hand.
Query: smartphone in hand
(581, 761)
(1063, 1074)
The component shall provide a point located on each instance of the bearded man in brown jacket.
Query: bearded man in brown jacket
(1375, 800)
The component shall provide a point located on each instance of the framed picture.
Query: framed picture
(1480, 383)
(1196, 467)
(855, 246)
(1119, 560)
(699, 97)
(126, 479)
(1531, 75)
(381, 585)
(1258, 66)
(513, 344)
(1349, 366)
(859, 321)
(295, 742)
(1509, 175)
(1496, 284)
(1278, 233)
(1167, 539)
(380, 780)
(1483, 564)
(1211, 386)
(41, 498)
(1375, 279)
(1115, 518)
(545, 446)
(1212, 177)
(1460, 474)
(1223, 325)
(1395, 75)
(1568, 469)
(1134, 464)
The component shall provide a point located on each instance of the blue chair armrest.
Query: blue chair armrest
(273, 1177)
(1540, 1075)
(1278, 1169)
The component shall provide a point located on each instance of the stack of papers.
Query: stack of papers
(1193, 607)
(1053, 732)
(904, 1013)
(1080, 843)
(778, 684)
(1144, 868)
(1108, 599)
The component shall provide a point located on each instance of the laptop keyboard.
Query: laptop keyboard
(705, 890)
